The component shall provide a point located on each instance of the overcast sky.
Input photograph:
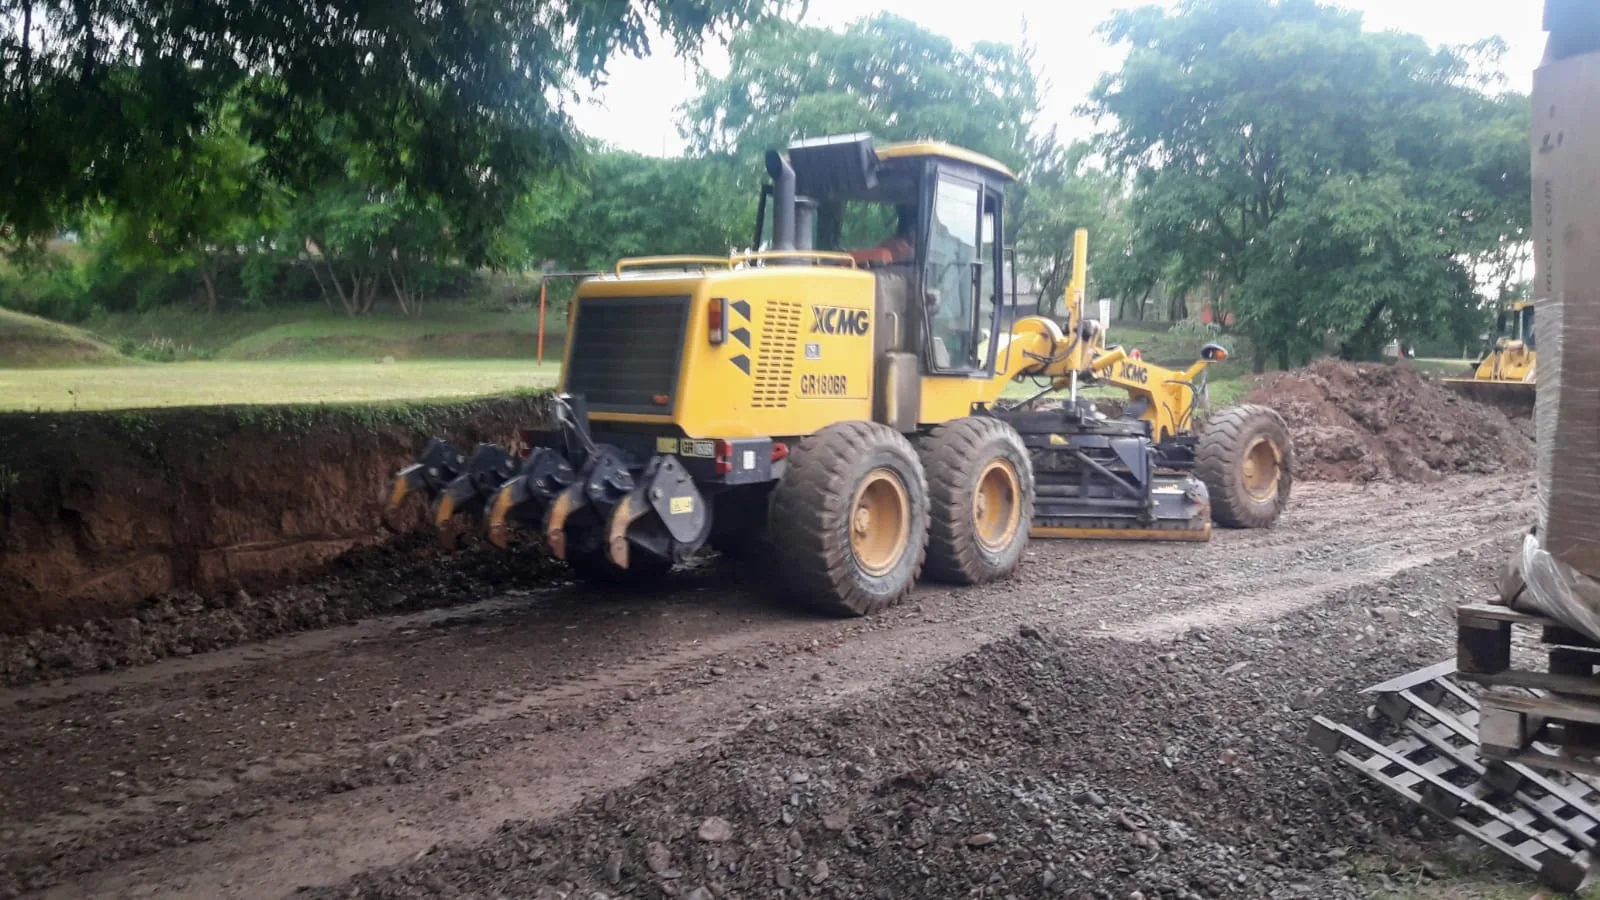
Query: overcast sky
(637, 109)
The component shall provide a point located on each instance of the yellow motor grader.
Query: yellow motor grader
(840, 412)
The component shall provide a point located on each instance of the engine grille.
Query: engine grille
(626, 352)
(774, 373)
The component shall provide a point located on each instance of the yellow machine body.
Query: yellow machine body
(798, 354)
(688, 381)
(1507, 374)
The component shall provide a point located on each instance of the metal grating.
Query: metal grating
(626, 352)
(774, 372)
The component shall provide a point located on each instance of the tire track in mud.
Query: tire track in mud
(529, 706)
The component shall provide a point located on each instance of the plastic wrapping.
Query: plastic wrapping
(1567, 414)
(1566, 187)
(1543, 584)
(1557, 571)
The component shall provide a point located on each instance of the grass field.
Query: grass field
(442, 331)
(211, 383)
(311, 354)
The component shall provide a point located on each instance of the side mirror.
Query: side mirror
(1213, 353)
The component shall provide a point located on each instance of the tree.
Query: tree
(1325, 179)
(190, 215)
(1064, 193)
(883, 75)
(93, 90)
(624, 204)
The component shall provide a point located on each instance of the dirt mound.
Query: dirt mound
(1379, 422)
(31, 342)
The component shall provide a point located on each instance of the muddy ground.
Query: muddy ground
(1119, 720)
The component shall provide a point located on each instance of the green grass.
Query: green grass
(28, 342)
(441, 331)
(1444, 368)
(213, 383)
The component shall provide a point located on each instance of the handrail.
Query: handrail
(822, 256)
(641, 262)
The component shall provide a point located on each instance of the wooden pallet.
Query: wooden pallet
(1545, 822)
(1557, 726)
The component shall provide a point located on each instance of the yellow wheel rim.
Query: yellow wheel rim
(995, 506)
(1263, 467)
(880, 521)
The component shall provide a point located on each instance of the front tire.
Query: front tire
(980, 490)
(849, 522)
(1246, 460)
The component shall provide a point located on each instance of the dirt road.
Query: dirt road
(336, 754)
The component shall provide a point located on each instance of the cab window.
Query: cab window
(954, 274)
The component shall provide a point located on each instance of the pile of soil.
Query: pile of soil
(1045, 765)
(1380, 422)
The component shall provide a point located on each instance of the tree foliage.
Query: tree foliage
(1329, 180)
(460, 101)
(883, 74)
(625, 204)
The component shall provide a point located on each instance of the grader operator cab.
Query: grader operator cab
(834, 404)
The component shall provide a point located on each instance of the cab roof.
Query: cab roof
(942, 150)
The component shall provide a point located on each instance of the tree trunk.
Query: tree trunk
(1258, 360)
(208, 278)
(402, 292)
(322, 286)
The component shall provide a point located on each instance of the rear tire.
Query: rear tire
(1246, 460)
(980, 492)
(849, 522)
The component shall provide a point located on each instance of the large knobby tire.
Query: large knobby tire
(849, 520)
(1246, 460)
(980, 497)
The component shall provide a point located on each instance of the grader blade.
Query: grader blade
(1514, 398)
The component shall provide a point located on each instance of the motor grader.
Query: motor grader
(840, 414)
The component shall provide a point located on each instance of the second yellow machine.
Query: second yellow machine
(834, 404)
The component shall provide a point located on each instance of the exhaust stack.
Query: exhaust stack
(783, 206)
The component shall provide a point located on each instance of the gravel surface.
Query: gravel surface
(1118, 718)
(1045, 764)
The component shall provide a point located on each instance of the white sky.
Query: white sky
(637, 109)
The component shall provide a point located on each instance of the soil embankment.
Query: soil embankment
(100, 511)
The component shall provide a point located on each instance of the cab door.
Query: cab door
(962, 274)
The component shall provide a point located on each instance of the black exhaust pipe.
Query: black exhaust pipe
(783, 215)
